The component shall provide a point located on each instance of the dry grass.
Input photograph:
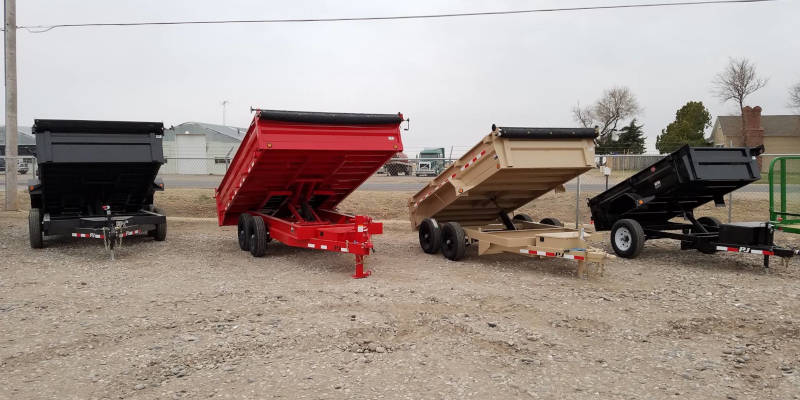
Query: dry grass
(384, 205)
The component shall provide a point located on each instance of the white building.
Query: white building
(200, 148)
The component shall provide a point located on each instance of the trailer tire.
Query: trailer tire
(35, 228)
(160, 233)
(243, 231)
(627, 238)
(258, 237)
(522, 217)
(454, 243)
(551, 221)
(710, 222)
(430, 236)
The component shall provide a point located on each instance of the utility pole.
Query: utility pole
(224, 104)
(10, 37)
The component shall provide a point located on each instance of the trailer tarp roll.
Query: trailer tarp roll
(330, 118)
(547, 133)
(82, 126)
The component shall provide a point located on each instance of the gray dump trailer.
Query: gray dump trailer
(96, 179)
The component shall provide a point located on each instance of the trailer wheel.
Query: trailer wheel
(627, 238)
(454, 243)
(551, 221)
(522, 217)
(243, 231)
(258, 237)
(710, 223)
(430, 236)
(160, 233)
(35, 228)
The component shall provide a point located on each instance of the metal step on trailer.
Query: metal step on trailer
(471, 201)
(294, 168)
(643, 206)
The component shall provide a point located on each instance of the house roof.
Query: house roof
(774, 125)
(213, 132)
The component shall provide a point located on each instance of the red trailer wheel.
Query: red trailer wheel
(243, 231)
(258, 237)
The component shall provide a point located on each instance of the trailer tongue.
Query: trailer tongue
(292, 170)
(96, 180)
(642, 207)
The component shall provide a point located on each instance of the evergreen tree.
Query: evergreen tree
(689, 127)
(630, 141)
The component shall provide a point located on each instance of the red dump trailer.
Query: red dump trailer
(292, 170)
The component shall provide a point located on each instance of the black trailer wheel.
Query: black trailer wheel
(35, 228)
(522, 217)
(243, 231)
(627, 238)
(710, 223)
(454, 243)
(160, 233)
(258, 237)
(551, 221)
(430, 236)
(392, 170)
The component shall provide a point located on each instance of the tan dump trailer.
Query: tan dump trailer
(470, 202)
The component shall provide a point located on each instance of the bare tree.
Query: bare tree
(737, 81)
(617, 105)
(794, 97)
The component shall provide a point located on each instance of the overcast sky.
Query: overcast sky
(452, 77)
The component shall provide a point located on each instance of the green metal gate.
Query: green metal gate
(784, 199)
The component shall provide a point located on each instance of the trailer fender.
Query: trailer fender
(158, 184)
(35, 192)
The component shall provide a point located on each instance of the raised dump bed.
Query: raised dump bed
(292, 170)
(96, 179)
(641, 207)
(470, 201)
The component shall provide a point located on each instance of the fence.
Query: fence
(627, 162)
(26, 166)
(196, 166)
(415, 166)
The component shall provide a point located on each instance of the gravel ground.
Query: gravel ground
(195, 317)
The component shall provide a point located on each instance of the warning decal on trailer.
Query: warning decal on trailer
(551, 254)
(745, 250)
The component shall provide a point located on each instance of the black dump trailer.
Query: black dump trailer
(642, 207)
(96, 179)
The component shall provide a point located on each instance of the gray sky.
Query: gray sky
(452, 77)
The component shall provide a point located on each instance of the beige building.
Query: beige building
(780, 134)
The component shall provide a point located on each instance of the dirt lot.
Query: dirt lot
(195, 317)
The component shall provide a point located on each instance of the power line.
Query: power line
(46, 28)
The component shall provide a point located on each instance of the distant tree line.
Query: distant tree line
(618, 106)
